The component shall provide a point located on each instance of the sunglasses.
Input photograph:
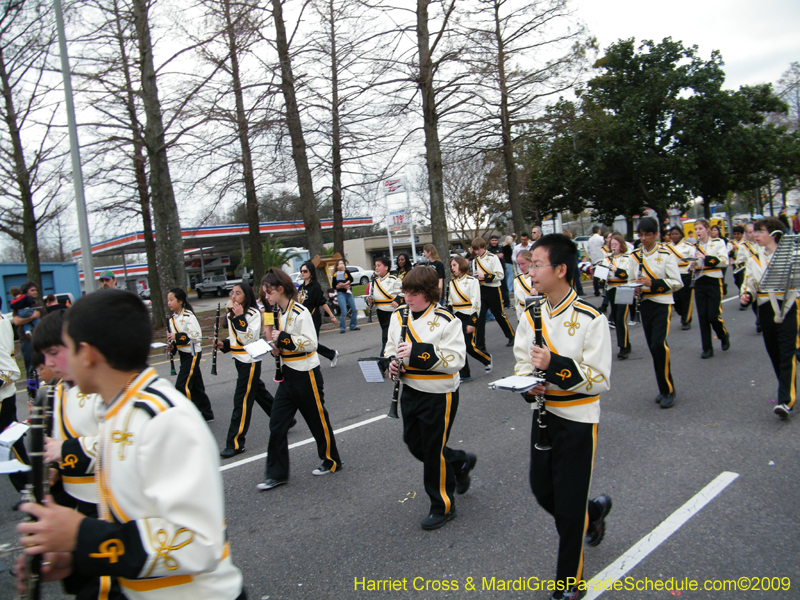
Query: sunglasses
(304, 270)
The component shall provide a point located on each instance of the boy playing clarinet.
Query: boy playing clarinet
(576, 360)
(433, 353)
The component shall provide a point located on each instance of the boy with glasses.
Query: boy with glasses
(576, 361)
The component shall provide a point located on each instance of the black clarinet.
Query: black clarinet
(216, 339)
(171, 349)
(276, 316)
(544, 437)
(38, 487)
(399, 361)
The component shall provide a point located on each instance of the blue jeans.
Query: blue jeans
(347, 301)
(509, 278)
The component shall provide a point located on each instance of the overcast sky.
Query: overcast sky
(758, 39)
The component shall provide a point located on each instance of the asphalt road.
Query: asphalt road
(318, 537)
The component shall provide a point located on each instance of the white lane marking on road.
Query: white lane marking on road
(620, 567)
(239, 463)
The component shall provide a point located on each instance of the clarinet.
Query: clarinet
(216, 338)
(371, 296)
(399, 361)
(276, 316)
(171, 349)
(544, 437)
(39, 486)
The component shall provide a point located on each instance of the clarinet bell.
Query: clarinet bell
(544, 439)
(393, 410)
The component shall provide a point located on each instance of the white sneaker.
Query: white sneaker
(488, 368)
(335, 359)
(782, 411)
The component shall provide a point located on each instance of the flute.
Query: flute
(216, 339)
(396, 392)
(276, 316)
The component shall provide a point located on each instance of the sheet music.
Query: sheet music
(601, 272)
(371, 369)
(516, 383)
(12, 433)
(259, 348)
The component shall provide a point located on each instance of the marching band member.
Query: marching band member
(684, 297)
(656, 268)
(748, 248)
(244, 327)
(606, 252)
(72, 444)
(161, 501)
(465, 299)
(522, 282)
(302, 386)
(404, 265)
(711, 256)
(9, 374)
(576, 360)
(184, 331)
(433, 352)
(734, 246)
(780, 339)
(617, 263)
(486, 268)
(386, 294)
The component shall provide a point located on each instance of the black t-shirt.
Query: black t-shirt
(439, 266)
(497, 251)
(508, 253)
(312, 298)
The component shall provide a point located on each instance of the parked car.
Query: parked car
(297, 279)
(360, 276)
(219, 285)
(145, 294)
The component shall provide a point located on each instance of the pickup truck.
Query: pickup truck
(219, 285)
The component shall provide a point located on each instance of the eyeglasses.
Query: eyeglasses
(537, 267)
(304, 270)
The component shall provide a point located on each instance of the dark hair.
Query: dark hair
(385, 261)
(560, 251)
(718, 228)
(407, 266)
(48, 332)
(463, 264)
(49, 298)
(422, 281)
(37, 359)
(738, 229)
(104, 319)
(648, 225)
(768, 224)
(312, 270)
(596, 229)
(180, 296)
(676, 228)
(28, 285)
(275, 278)
(14, 291)
(249, 295)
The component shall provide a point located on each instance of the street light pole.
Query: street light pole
(77, 173)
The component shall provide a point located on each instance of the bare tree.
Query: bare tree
(308, 201)
(30, 154)
(521, 54)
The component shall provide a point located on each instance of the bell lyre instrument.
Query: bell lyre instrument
(544, 437)
(216, 339)
(38, 487)
(371, 296)
(276, 317)
(399, 361)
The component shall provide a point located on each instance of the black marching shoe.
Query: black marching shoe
(270, 484)
(707, 353)
(624, 353)
(462, 479)
(726, 343)
(659, 398)
(230, 452)
(597, 528)
(510, 342)
(668, 400)
(433, 521)
(686, 326)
